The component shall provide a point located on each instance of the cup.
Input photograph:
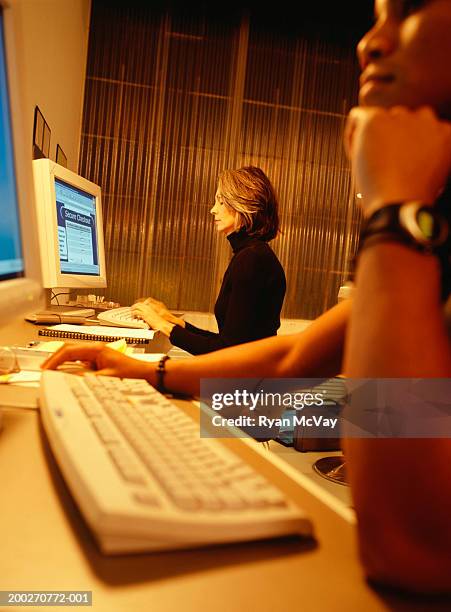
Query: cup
(8, 361)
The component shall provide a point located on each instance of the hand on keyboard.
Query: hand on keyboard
(162, 311)
(147, 313)
(105, 360)
(122, 317)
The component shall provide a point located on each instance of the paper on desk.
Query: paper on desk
(103, 330)
(27, 378)
(21, 390)
(50, 346)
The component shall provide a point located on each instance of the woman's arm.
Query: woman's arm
(186, 336)
(248, 276)
(314, 353)
(400, 488)
(195, 340)
(181, 333)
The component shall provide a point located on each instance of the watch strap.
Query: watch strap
(384, 226)
(392, 224)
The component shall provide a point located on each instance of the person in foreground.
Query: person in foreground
(399, 143)
(253, 288)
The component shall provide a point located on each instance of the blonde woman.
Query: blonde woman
(253, 288)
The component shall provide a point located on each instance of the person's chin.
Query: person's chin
(376, 99)
(379, 93)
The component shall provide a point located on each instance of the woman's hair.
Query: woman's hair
(248, 191)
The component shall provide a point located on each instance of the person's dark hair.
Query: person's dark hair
(249, 192)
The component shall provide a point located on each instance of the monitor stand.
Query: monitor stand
(54, 313)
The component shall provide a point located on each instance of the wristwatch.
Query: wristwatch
(414, 224)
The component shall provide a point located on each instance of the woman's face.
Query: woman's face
(405, 57)
(224, 217)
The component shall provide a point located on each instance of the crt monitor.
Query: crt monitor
(20, 282)
(70, 227)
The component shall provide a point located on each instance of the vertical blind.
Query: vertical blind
(173, 96)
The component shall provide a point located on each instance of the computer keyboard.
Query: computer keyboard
(121, 317)
(143, 477)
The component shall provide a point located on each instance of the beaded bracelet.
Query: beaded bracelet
(160, 372)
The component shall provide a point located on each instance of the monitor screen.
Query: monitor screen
(20, 279)
(70, 227)
(77, 230)
(11, 259)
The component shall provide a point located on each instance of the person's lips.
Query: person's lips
(374, 78)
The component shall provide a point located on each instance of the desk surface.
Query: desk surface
(46, 545)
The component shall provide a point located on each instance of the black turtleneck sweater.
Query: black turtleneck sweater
(249, 302)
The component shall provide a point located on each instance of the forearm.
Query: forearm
(315, 352)
(196, 341)
(252, 360)
(176, 320)
(397, 327)
(397, 330)
(199, 330)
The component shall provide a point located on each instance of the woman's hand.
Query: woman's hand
(160, 308)
(397, 155)
(101, 358)
(157, 308)
(145, 311)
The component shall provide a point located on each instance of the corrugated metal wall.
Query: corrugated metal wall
(172, 98)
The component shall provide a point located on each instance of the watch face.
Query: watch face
(424, 224)
(428, 224)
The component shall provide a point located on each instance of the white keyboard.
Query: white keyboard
(122, 317)
(143, 477)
